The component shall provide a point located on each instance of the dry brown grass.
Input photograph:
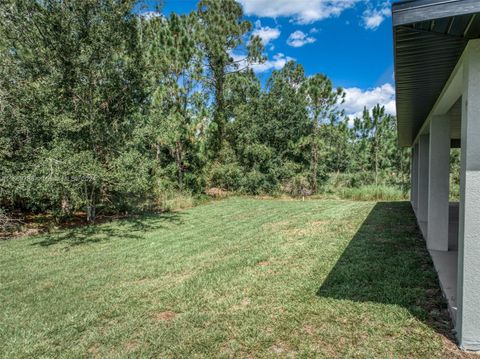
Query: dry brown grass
(165, 316)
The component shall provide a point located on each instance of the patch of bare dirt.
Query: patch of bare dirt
(275, 226)
(282, 350)
(227, 350)
(243, 304)
(131, 345)
(94, 350)
(27, 232)
(47, 285)
(216, 192)
(165, 316)
(319, 223)
(309, 329)
(452, 351)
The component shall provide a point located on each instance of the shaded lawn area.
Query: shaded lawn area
(234, 278)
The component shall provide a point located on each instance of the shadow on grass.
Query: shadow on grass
(129, 228)
(387, 262)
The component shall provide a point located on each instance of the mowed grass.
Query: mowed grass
(234, 278)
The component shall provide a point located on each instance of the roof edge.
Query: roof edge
(408, 12)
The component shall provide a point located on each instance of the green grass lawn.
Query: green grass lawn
(233, 278)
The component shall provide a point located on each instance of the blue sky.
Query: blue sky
(348, 40)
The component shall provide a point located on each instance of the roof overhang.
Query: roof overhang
(429, 39)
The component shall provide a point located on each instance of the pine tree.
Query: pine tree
(176, 103)
(322, 103)
(222, 30)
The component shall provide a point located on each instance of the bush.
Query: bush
(225, 175)
(298, 186)
(7, 224)
(351, 180)
(256, 182)
(455, 174)
(454, 188)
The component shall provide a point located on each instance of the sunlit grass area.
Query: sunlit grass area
(233, 278)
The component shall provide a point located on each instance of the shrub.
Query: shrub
(256, 182)
(7, 224)
(225, 175)
(216, 192)
(298, 186)
(348, 180)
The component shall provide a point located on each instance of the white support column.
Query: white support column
(468, 288)
(438, 185)
(414, 178)
(422, 206)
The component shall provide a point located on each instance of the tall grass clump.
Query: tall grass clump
(372, 193)
(360, 186)
(171, 200)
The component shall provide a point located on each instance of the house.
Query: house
(437, 72)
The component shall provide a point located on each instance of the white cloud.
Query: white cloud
(302, 11)
(313, 30)
(277, 62)
(299, 39)
(265, 33)
(373, 18)
(150, 14)
(356, 99)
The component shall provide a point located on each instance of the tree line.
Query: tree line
(103, 109)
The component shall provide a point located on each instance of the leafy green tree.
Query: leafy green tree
(222, 31)
(322, 104)
(102, 109)
(255, 158)
(177, 101)
(285, 113)
(376, 143)
(284, 122)
(75, 88)
(338, 138)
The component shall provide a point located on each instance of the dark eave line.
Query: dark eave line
(426, 10)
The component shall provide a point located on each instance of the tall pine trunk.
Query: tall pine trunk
(219, 114)
(314, 167)
(315, 159)
(179, 163)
